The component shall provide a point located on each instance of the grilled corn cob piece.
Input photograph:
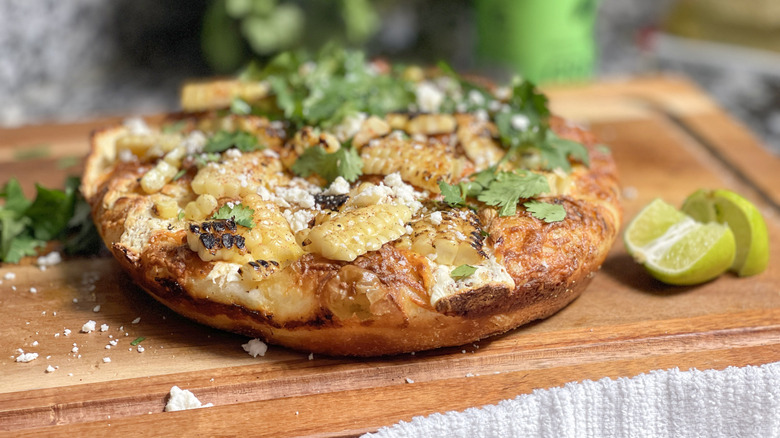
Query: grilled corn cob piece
(239, 176)
(477, 138)
(201, 96)
(356, 232)
(271, 240)
(422, 165)
(431, 124)
(454, 237)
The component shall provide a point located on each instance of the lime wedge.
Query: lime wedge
(745, 221)
(676, 249)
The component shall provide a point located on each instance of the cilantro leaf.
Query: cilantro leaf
(509, 187)
(345, 162)
(14, 197)
(26, 225)
(240, 214)
(51, 211)
(224, 140)
(174, 127)
(546, 211)
(452, 194)
(555, 152)
(462, 272)
(137, 341)
(240, 106)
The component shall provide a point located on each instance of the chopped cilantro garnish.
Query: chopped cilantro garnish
(174, 127)
(137, 341)
(240, 107)
(546, 211)
(240, 214)
(509, 187)
(452, 194)
(224, 140)
(462, 272)
(345, 163)
(322, 90)
(27, 225)
(203, 159)
(179, 174)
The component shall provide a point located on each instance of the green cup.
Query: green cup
(543, 40)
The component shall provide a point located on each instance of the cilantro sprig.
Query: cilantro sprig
(345, 162)
(323, 89)
(240, 214)
(26, 225)
(224, 140)
(504, 189)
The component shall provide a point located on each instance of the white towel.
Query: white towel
(735, 402)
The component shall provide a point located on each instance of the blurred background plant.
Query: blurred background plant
(234, 31)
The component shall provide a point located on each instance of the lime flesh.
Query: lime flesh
(744, 220)
(676, 249)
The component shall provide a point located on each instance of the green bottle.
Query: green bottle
(543, 40)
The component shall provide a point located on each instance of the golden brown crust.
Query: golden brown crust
(380, 303)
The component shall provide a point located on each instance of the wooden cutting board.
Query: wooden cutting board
(668, 138)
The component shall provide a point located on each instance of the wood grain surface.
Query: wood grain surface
(668, 138)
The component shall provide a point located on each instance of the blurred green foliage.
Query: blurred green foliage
(235, 31)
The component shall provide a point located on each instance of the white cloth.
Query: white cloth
(735, 402)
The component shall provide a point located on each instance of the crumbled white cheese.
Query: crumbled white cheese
(74, 349)
(476, 98)
(264, 194)
(503, 93)
(294, 195)
(106, 360)
(194, 142)
(429, 97)
(233, 153)
(136, 321)
(404, 193)
(270, 153)
(408, 380)
(435, 218)
(103, 327)
(182, 399)
(140, 349)
(489, 272)
(33, 290)
(88, 326)
(298, 220)
(137, 126)
(96, 309)
(50, 259)
(349, 126)
(66, 332)
(255, 347)
(26, 357)
(9, 276)
(126, 156)
(50, 369)
(520, 122)
(34, 344)
(339, 186)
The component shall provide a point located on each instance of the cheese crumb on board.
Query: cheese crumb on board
(88, 326)
(255, 347)
(182, 399)
(50, 369)
(26, 357)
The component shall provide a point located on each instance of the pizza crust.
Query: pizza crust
(381, 302)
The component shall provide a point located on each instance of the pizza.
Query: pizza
(345, 207)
